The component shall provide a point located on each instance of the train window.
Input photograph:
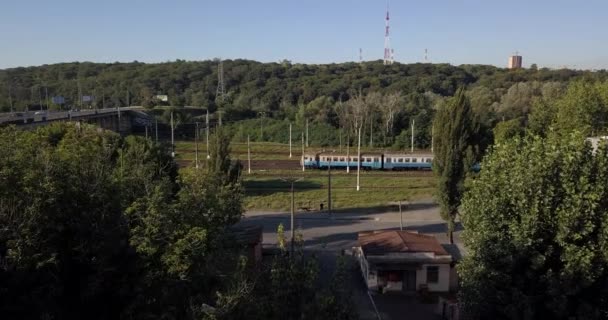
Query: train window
(400, 160)
(428, 160)
(305, 158)
(407, 159)
(376, 159)
(342, 159)
(336, 159)
(368, 159)
(355, 159)
(388, 160)
(414, 159)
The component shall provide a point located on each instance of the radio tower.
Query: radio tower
(220, 92)
(388, 52)
(360, 55)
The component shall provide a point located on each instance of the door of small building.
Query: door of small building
(409, 280)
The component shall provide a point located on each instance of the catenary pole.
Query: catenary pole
(359, 162)
(290, 140)
(172, 137)
(207, 127)
(196, 146)
(412, 144)
(306, 132)
(303, 167)
(348, 153)
(248, 155)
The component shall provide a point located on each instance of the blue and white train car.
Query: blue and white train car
(341, 161)
(408, 161)
(310, 160)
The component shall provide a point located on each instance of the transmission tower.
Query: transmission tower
(360, 55)
(388, 52)
(221, 91)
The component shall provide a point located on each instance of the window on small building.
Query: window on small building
(432, 274)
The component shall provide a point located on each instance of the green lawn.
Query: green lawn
(266, 191)
(376, 190)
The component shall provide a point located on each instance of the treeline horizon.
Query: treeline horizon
(394, 96)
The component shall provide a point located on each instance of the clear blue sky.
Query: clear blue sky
(551, 33)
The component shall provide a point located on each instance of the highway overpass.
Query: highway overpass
(121, 120)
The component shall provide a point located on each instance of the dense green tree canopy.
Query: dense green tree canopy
(536, 231)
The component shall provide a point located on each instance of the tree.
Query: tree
(454, 154)
(505, 130)
(536, 231)
(582, 108)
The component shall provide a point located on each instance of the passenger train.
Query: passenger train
(369, 161)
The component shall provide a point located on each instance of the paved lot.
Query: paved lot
(339, 231)
(327, 235)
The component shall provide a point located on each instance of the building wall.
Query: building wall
(443, 285)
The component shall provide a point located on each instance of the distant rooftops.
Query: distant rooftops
(395, 241)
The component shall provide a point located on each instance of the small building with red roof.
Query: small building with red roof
(394, 260)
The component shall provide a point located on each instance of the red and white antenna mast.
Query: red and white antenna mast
(388, 52)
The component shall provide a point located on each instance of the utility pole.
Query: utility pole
(46, 94)
(289, 140)
(248, 156)
(128, 97)
(306, 132)
(293, 213)
(412, 144)
(348, 153)
(196, 146)
(146, 132)
(329, 187)
(340, 133)
(207, 127)
(400, 217)
(432, 134)
(172, 140)
(80, 94)
(371, 133)
(292, 181)
(303, 167)
(359, 161)
(156, 128)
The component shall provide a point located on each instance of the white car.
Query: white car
(40, 113)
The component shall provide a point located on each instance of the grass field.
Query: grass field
(266, 192)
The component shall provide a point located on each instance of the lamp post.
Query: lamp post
(292, 181)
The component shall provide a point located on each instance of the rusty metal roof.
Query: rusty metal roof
(395, 241)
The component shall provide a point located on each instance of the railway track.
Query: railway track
(295, 165)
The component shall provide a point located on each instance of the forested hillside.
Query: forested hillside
(299, 92)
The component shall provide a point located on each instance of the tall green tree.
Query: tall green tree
(536, 232)
(454, 129)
